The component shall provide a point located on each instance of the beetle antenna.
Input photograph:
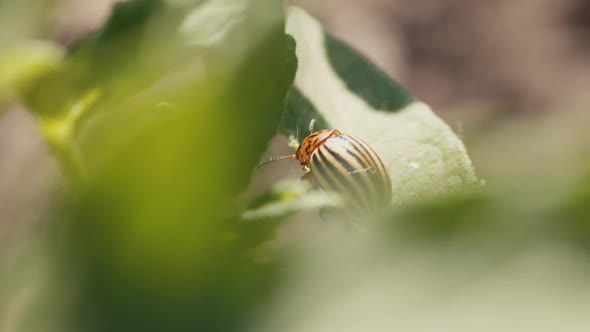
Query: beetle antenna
(311, 123)
(272, 159)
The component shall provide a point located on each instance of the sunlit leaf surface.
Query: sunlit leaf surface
(423, 155)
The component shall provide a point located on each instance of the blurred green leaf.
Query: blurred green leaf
(286, 198)
(209, 23)
(98, 62)
(423, 155)
(167, 135)
(446, 218)
(571, 219)
(23, 63)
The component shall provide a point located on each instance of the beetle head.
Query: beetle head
(311, 143)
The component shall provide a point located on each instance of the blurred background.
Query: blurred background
(511, 77)
(516, 56)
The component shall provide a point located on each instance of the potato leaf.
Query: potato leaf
(345, 91)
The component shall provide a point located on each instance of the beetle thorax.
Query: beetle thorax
(311, 143)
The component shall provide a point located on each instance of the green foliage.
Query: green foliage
(571, 220)
(339, 88)
(456, 215)
(299, 112)
(156, 137)
(346, 92)
(364, 79)
(23, 63)
(98, 62)
(286, 198)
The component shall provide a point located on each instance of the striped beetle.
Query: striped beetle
(347, 165)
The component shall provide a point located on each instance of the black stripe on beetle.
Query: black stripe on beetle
(342, 169)
(332, 179)
(383, 181)
(355, 173)
(373, 171)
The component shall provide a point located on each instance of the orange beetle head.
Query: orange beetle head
(312, 142)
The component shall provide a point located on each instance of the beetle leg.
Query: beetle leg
(308, 176)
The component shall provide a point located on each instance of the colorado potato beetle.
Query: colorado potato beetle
(346, 165)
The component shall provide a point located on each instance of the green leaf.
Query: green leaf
(299, 112)
(288, 197)
(168, 135)
(23, 63)
(571, 220)
(96, 62)
(210, 23)
(364, 79)
(423, 155)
